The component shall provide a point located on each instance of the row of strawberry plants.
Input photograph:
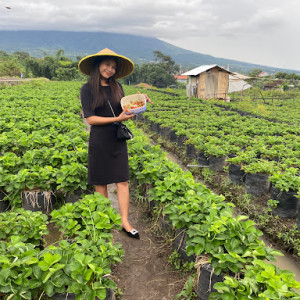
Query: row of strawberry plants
(281, 183)
(44, 145)
(79, 264)
(257, 145)
(217, 132)
(43, 141)
(231, 243)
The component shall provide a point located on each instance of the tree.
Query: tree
(166, 61)
(281, 75)
(66, 73)
(21, 55)
(255, 72)
(10, 68)
(159, 74)
(44, 67)
(59, 53)
(134, 77)
(3, 54)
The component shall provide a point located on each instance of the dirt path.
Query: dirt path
(145, 273)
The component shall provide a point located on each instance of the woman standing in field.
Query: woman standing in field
(100, 98)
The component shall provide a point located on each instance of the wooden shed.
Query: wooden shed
(208, 81)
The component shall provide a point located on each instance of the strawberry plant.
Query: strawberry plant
(261, 166)
(289, 180)
(29, 226)
(261, 281)
(90, 218)
(71, 177)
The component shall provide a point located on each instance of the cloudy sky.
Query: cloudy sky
(257, 31)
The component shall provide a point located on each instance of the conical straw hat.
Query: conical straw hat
(124, 65)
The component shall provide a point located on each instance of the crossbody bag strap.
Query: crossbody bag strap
(111, 108)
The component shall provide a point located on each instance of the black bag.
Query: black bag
(123, 133)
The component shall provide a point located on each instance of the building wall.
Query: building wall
(202, 85)
(211, 83)
(223, 84)
(191, 87)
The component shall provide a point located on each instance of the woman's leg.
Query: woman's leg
(123, 198)
(102, 189)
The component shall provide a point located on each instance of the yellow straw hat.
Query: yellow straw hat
(124, 64)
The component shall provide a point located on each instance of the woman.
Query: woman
(100, 98)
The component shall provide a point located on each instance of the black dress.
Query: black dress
(107, 156)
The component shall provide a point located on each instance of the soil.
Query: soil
(145, 273)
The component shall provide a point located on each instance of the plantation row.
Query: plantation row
(274, 105)
(79, 264)
(206, 232)
(46, 157)
(42, 139)
(250, 145)
(44, 153)
(251, 169)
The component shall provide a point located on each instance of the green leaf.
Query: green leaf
(199, 249)
(240, 218)
(51, 271)
(43, 265)
(88, 274)
(52, 259)
(49, 289)
(4, 260)
(101, 293)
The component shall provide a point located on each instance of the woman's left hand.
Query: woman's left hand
(147, 98)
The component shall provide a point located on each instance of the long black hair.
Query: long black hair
(98, 92)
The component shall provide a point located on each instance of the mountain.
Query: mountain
(138, 48)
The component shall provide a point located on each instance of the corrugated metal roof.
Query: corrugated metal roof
(236, 75)
(202, 69)
(238, 85)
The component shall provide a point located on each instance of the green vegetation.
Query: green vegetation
(80, 264)
(59, 67)
(43, 143)
(275, 105)
(231, 243)
(201, 128)
(159, 74)
(42, 139)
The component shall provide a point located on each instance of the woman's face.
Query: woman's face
(107, 68)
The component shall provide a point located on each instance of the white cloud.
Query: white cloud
(241, 29)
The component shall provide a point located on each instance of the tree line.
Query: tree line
(57, 67)
(279, 75)
(159, 73)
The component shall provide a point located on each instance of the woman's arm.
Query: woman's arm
(96, 120)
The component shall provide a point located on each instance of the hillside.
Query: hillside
(139, 49)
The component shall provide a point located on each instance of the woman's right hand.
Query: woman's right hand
(124, 117)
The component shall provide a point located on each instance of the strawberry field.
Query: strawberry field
(43, 148)
(258, 156)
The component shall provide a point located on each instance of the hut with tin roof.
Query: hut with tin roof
(208, 81)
